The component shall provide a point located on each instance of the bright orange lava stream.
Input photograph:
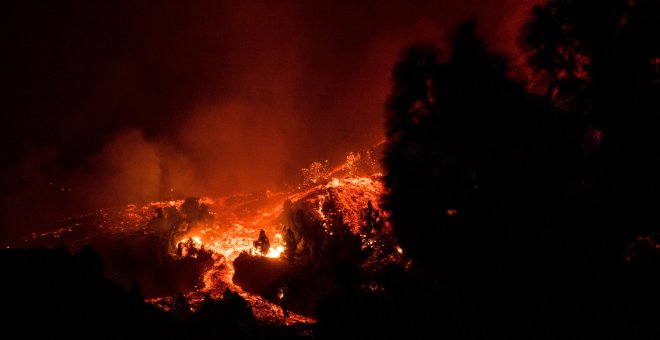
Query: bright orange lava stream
(243, 218)
(236, 223)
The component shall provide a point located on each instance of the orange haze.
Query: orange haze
(111, 102)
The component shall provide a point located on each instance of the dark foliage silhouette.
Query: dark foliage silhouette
(600, 66)
(616, 46)
(506, 198)
(469, 150)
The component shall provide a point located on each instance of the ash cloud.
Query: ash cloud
(109, 103)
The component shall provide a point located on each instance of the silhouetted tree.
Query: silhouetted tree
(262, 244)
(290, 245)
(475, 171)
(283, 291)
(238, 310)
(451, 127)
(489, 186)
(181, 307)
(179, 249)
(602, 65)
(158, 224)
(91, 260)
(191, 247)
(226, 295)
(371, 221)
(194, 211)
(135, 292)
(599, 62)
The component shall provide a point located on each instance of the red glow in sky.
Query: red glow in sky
(123, 101)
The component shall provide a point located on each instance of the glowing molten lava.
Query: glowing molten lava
(275, 252)
(227, 226)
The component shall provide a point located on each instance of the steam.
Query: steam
(127, 169)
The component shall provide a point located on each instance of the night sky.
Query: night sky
(111, 102)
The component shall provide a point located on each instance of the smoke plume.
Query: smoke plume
(115, 102)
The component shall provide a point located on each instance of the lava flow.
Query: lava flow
(189, 246)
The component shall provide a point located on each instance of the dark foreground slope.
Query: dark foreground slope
(48, 293)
